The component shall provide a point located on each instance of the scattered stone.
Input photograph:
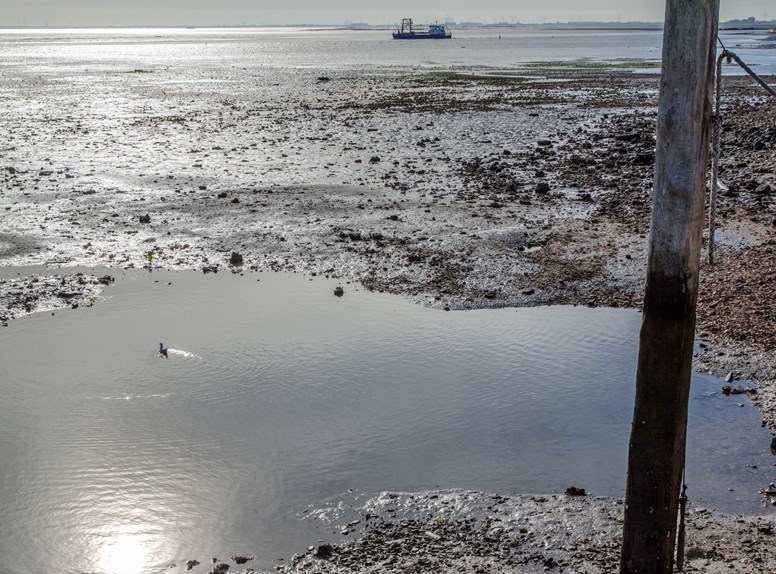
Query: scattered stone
(628, 136)
(145, 218)
(323, 551)
(191, 563)
(647, 158)
(575, 491)
(339, 291)
(235, 259)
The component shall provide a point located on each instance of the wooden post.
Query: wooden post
(657, 443)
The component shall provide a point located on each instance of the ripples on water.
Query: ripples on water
(274, 48)
(276, 395)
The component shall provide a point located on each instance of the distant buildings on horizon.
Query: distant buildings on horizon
(750, 22)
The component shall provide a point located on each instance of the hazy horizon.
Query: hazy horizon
(95, 13)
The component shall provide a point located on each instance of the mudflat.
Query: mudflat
(460, 191)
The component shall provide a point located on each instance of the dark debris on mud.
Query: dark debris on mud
(478, 533)
(25, 295)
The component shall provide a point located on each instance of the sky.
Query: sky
(225, 12)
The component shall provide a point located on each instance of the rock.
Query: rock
(324, 79)
(191, 563)
(210, 268)
(222, 195)
(145, 218)
(628, 136)
(10, 169)
(67, 294)
(105, 280)
(544, 143)
(242, 559)
(220, 568)
(323, 551)
(339, 291)
(575, 491)
(374, 159)
(542, 187)
(235, 259)
(235, 200)
(763, 189)
(646, 158)
(771, 490)
(736, 390)
(729, 378)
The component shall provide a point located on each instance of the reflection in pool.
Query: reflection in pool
(277, 395)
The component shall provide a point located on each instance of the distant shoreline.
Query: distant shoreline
(624, 26)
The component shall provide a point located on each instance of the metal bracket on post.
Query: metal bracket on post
(715, 146)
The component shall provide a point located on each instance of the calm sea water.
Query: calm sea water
(278, 395)
(348, 49)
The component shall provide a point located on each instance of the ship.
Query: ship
(433, 32)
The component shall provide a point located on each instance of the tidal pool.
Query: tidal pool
(277, 395)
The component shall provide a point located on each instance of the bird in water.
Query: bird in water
(162, 350)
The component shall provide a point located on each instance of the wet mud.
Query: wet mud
(459, 191)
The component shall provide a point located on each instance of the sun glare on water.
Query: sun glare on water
(125, 553)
